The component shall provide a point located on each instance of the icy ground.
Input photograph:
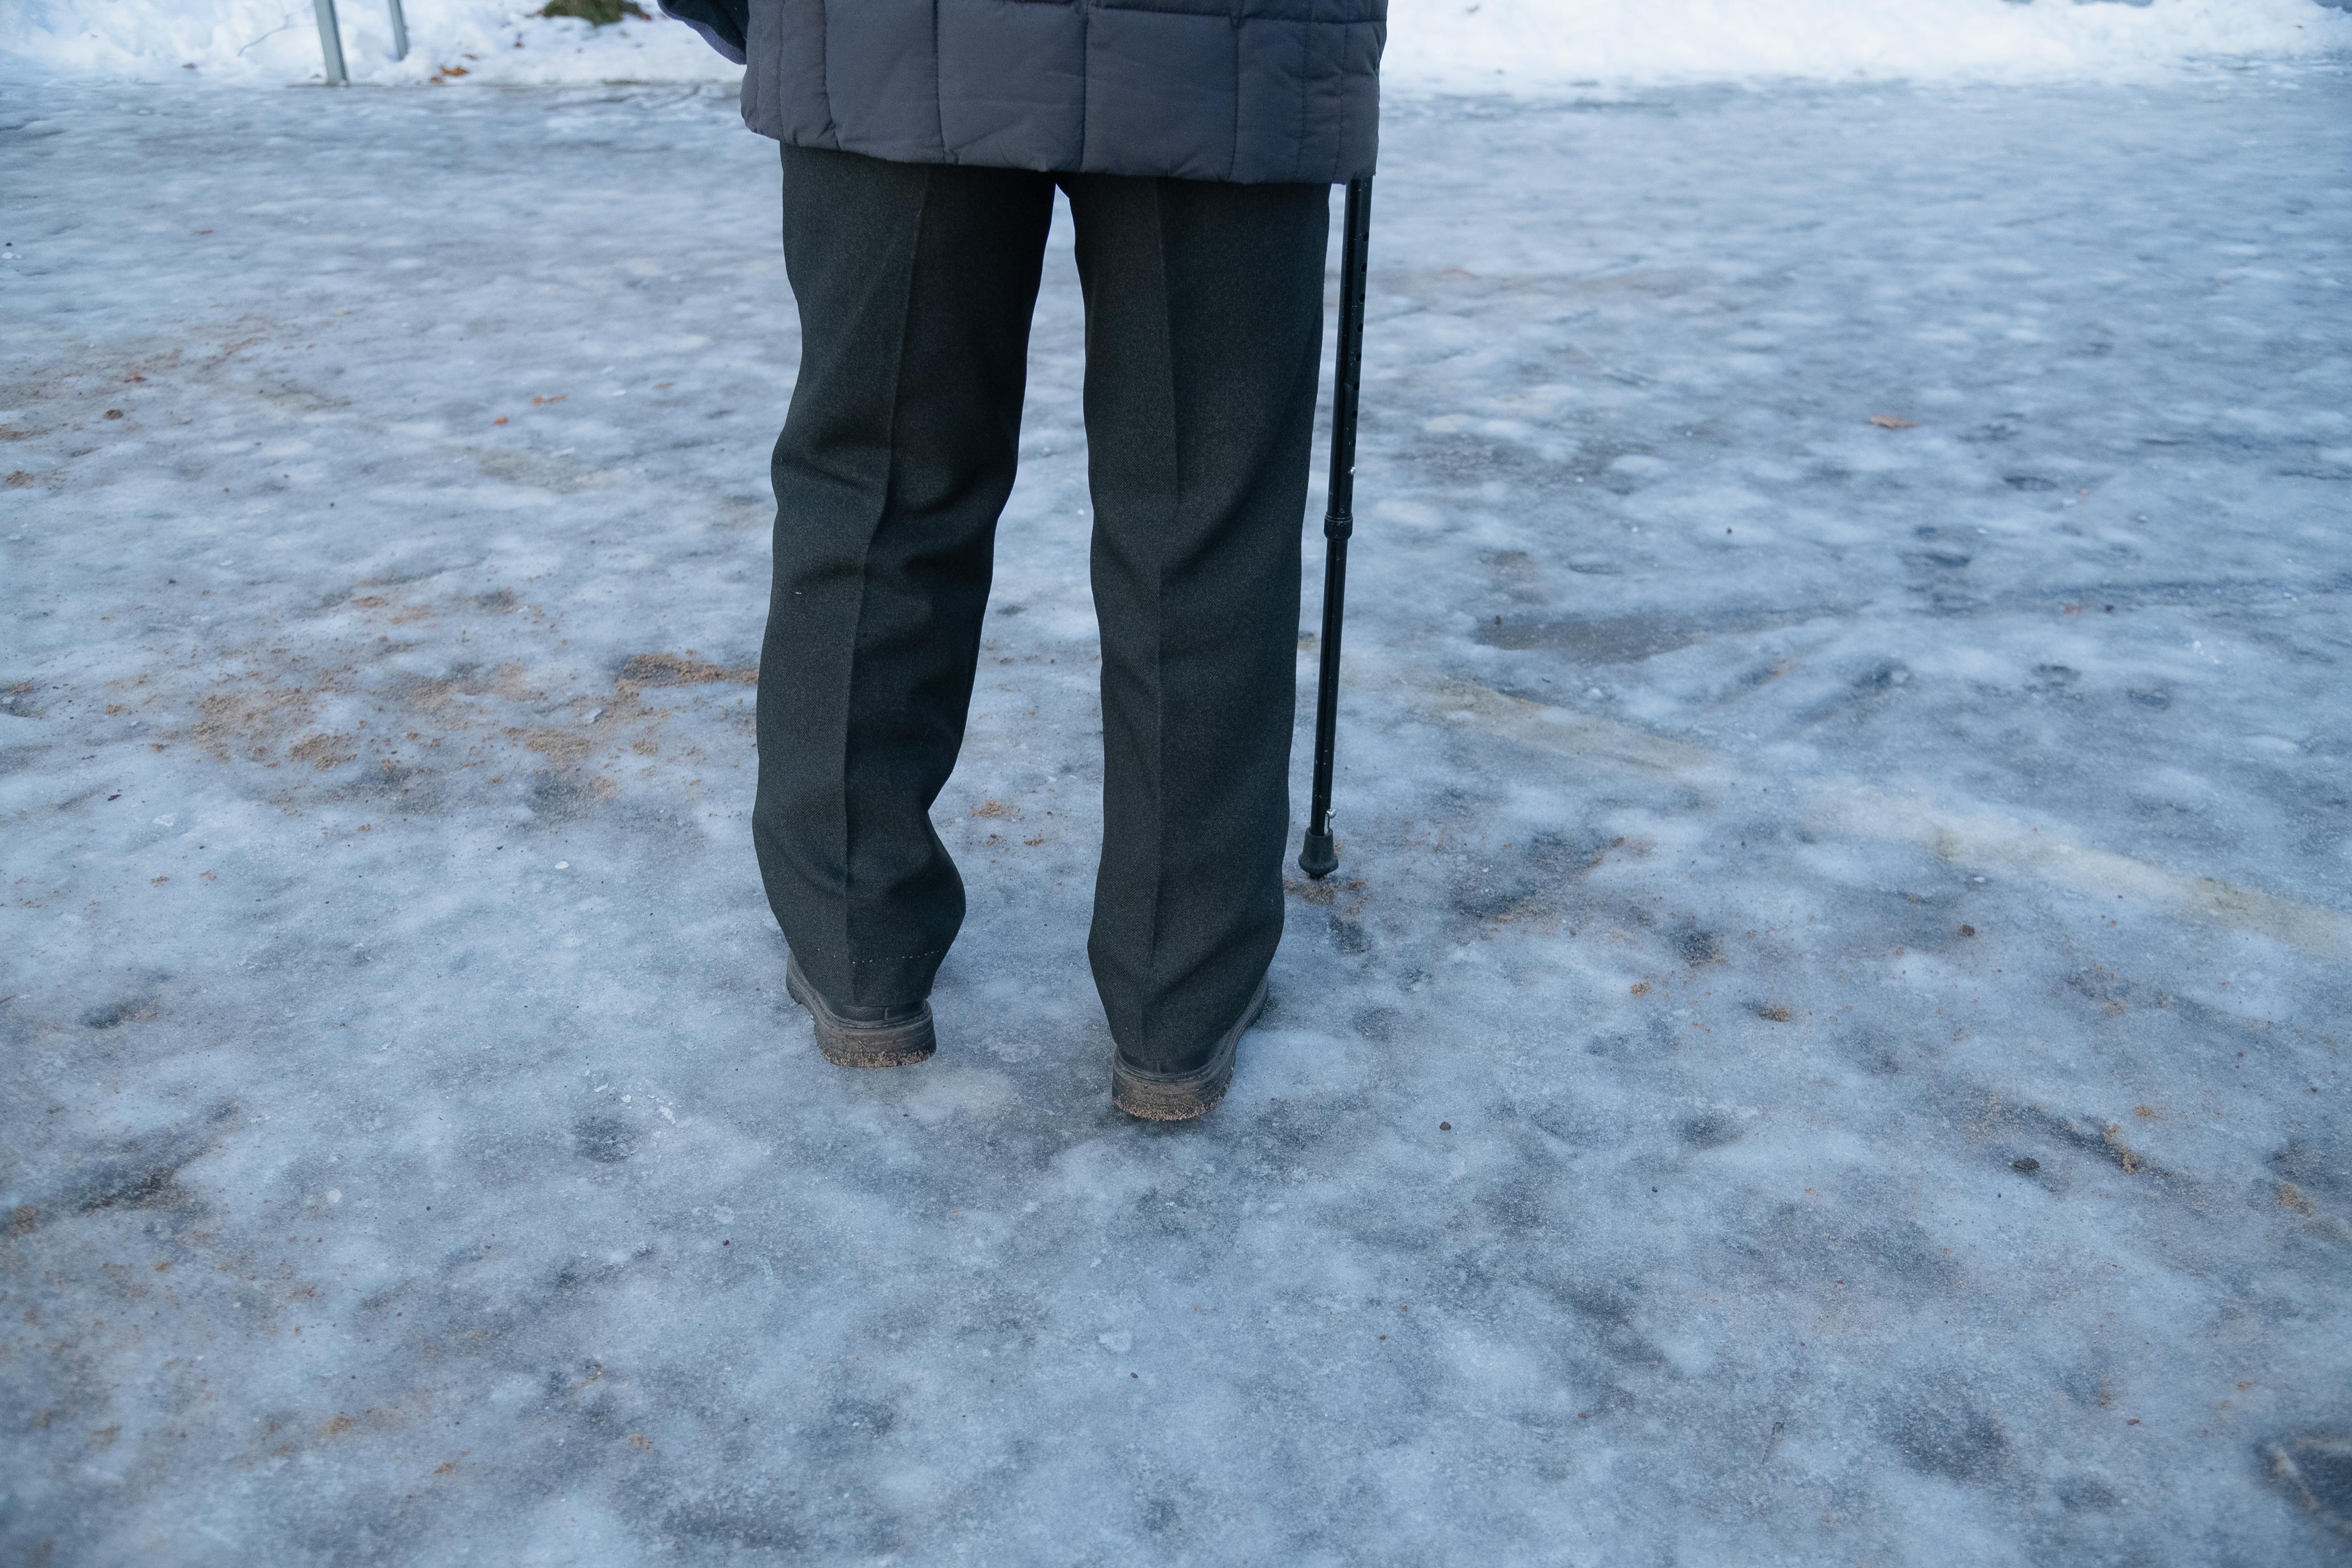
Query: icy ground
(1827, 1045)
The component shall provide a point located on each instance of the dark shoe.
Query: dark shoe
(863, 1037)
(1180, 1096)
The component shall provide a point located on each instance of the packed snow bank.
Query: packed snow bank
(1434, 45)
(1486, 45)
(263, 41)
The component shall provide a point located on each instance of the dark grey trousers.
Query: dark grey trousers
(1204, 319)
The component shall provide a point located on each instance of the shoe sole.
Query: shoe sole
(1179, 1097)
(846, 1042)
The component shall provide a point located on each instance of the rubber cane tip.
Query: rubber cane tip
(1317, 856)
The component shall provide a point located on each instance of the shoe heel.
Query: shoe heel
(844, 1042)
(1180, 1097)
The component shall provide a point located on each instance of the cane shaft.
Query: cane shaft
(1317, 857)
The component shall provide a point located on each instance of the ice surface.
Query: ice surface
(1460, 46)
(1827, 1043)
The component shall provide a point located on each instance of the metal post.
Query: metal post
(330, 43)
(399, 31)
(1318, 856)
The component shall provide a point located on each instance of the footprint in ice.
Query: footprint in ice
(604, 1139)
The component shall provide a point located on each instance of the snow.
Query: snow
(1827, 1043)
(270, 42)
(1541, 46)
(1484, 47)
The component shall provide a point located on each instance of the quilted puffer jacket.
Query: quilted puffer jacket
(1248, 90)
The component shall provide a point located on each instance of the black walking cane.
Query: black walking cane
(1317, 856)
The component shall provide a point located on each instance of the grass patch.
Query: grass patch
(595, 13)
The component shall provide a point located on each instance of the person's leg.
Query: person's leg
(1205, 323)
(916, 285)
